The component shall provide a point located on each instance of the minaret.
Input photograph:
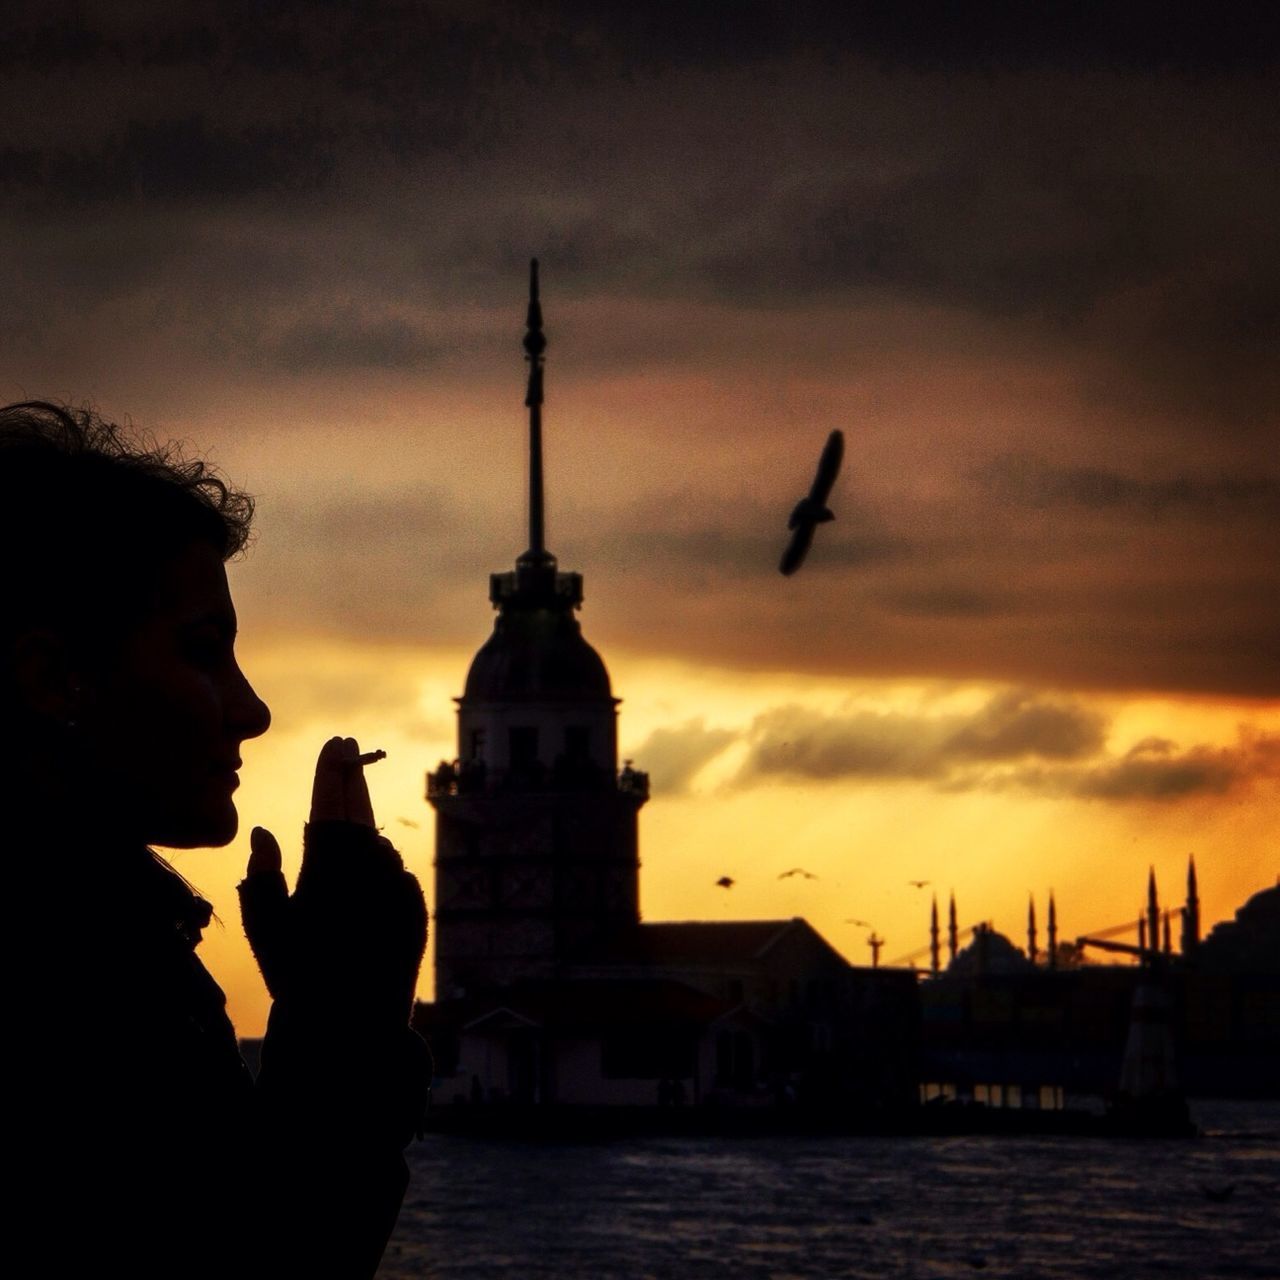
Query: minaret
(1167, 946)
(536, 829)
(1032, 953)
(953, 934)
(1191, 912)
(935, 955)
(1053, 932)
(1153, 912)
(1142, 933)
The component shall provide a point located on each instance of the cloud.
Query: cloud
(1017, 740)
(673, 756)
(1156, 770)
(1036, 483)
(961, 237)
(184, 159)
(1012, 725)
(1016, 724)
(348, 341)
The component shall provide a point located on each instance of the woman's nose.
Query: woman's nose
(250, 716)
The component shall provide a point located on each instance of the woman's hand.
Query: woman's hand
(352, 933)
(340, 793)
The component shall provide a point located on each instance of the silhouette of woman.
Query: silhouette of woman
(140, 1144)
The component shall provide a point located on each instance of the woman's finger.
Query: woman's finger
(356, 790)
(328, 792)
(264, 852)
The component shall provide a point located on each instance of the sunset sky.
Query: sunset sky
(1027, 263)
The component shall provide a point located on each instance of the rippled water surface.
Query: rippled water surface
(904, 1207)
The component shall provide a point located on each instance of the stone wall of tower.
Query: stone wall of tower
(525, 878)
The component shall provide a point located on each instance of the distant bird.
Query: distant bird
(407, 822)
(919, 884)
(725, 882)
(798, 871)
(812, 511)
(866, 924)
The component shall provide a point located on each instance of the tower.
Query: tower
(1053, 932)
(953, 939)
(1153, 912)
(935, 958)
(1191, 912)
(536, 849)
(1032, 953)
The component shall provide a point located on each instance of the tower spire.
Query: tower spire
(535, 343)
(1031, 928)
(953, 940)
(1153, 912)
(1053, 932)
(1191, 912)
(935, 958)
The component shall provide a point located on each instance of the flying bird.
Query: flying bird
(813, 511)
(866, 924)
(725, 882)
(797, 871)
(919, 884)
(407, 822)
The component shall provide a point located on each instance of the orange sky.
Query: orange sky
(1029, 272)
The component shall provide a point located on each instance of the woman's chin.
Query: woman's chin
(210, 829)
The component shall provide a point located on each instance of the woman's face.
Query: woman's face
(163, 725)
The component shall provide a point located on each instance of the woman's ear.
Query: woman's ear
(45, 679)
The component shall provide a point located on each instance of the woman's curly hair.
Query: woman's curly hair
(89, 513)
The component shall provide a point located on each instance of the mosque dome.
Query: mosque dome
(989, 952)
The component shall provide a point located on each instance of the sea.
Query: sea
(1029, 1208)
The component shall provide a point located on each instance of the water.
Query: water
(916, 1208)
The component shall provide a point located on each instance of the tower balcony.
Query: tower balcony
(473, 778)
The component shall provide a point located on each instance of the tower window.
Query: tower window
(523, 744)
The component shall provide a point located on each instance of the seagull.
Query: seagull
(407, 822)
(919, 884)
(798, 871)
(725, 882)
(866, 924)
(812, 511)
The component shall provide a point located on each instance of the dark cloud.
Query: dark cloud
(945, 601)
(1022, 479)
(640, 151)
(185, 159)
(937, 36)
(1012, 231)
(1012, 726)
(1018, 740)
(671, 757)
(350, 341)
(1156, 770)
(1017, 724)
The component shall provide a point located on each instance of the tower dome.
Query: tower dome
(534, 655)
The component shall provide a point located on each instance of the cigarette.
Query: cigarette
(369, 757)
